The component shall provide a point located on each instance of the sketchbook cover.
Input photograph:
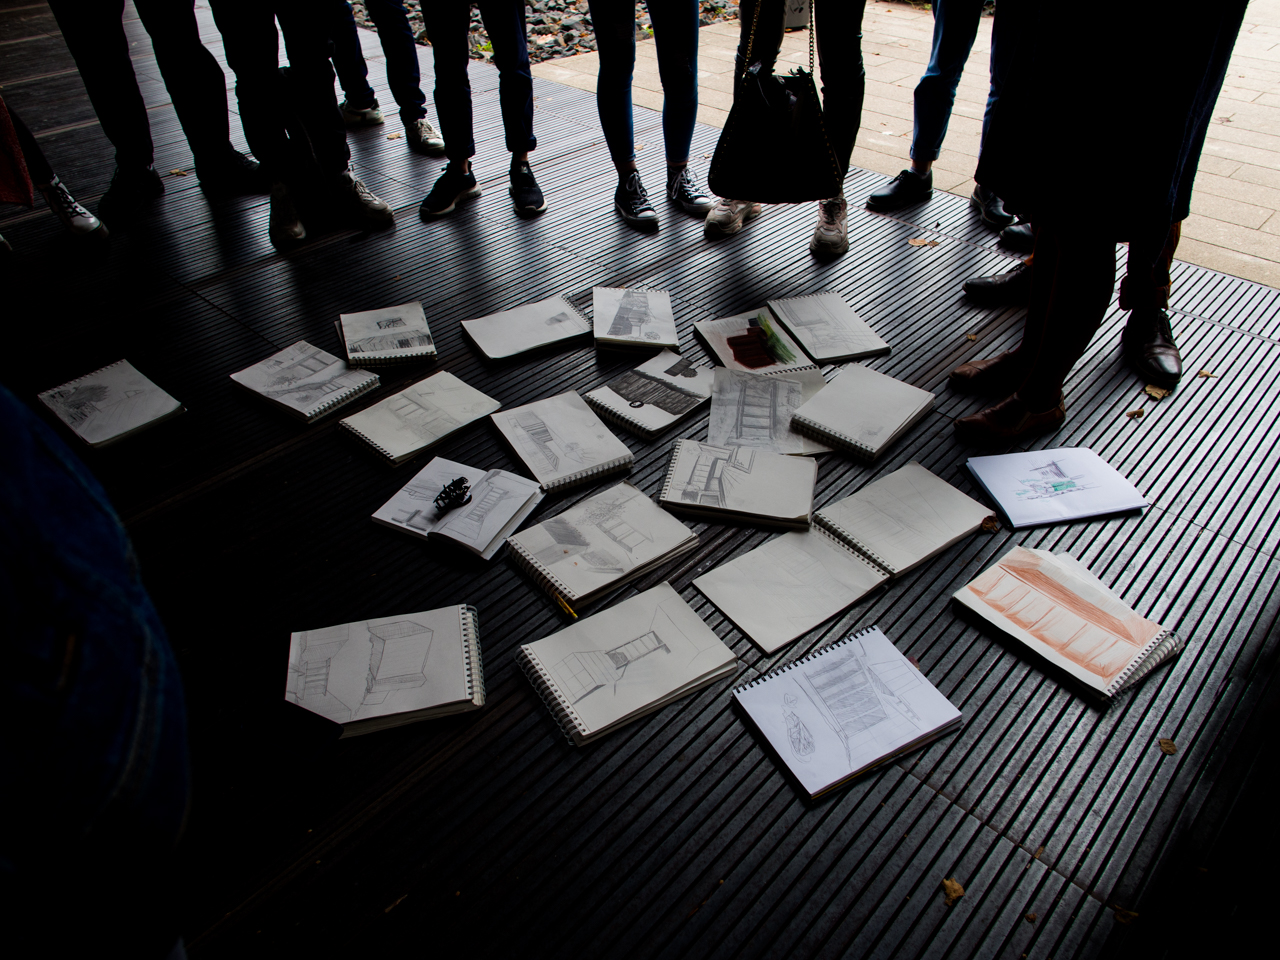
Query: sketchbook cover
(109, 404)
(655, 394)
(846, 709)
(633, 317)
(751, 410)
(864, 410)
(420, 415)
(526, 327)
(1053, 486)
(752, 342)
(561, 440)
(306, 380)
(704, 477)
(387, 334)
(828, 328)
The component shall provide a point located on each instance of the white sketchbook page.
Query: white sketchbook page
(906, 517)
(603, 538)
(500, 502)
(399, 331)
(619, 661)
(866, 406)
(375, 668)
(108, 403)
(845, 708)
(784, 352)
(559, 437)
(302, 377)
(419, 415)
(643, 317)
(658, 392)
(827, 327)
(786, 587)
(1051, 486)
(526, 327)
(751, 410)
(1075, 624)
(741, 479)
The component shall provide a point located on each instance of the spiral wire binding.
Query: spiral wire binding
(1145, 662)
(839, 439)
(618, 417)
(561, 711)
(842, 536)
(474, 665)
(584, 476)
(542, 576)
(338, 400)
(671, 468)
(86, 376)
(369, 440)
(805, 659)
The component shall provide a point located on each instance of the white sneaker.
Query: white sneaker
(424, 138)
(78, 221)
(369, 116)
(727, 217)
(831, 235)
(284, 227)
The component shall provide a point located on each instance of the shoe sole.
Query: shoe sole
(470, 194)
(693, 209)
(823, 250)
(527, 211)
(646, 224)
(425, 151)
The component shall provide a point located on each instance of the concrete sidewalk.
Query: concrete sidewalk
(1234, 226)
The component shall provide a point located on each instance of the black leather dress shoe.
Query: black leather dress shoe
(1009, 289)
(906, 188)
(990, 208)
(1018, 237)
(1149, 348)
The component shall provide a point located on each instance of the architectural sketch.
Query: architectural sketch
(398, 658)
(555, 318)
(543, 449)
(798, 735)
(391, 323)
(473, 521)
(827, 326)
(682, 368)
(560, 437)
(632, 315)
(419, 414)
(639, 388)
(391, 329)
(707, 477)
(582, 674)
(526, 327)
(302, 377)
(751, 410)
(318, 648)
(109, 403)
(1050, 480)
(388, 342)
(642, 316)
(607, 531)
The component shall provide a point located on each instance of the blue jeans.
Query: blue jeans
(396, 36)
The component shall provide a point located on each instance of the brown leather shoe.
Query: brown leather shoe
(1149, 348)
(1009, 289)
(996, 376)
(1007, 421)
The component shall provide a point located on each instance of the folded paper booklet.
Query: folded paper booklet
(374, 674)
(600, 544)
(752, 410)
(654, 395)
(305, 381)
(622, 663)
(739, 484)
(845, 710)
(388, 335)
(862, 411)
(410, 421)
(633, 317)
(110, 404)
(526, 327)
(1054, 486)
(752, 342)
(499, 503)
(562, 441)
(828, 328)
(1054, 605)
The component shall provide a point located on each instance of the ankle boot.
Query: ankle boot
(1150, 349)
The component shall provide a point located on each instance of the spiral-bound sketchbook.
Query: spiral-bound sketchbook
(862, 411)
(386, 335)
(633, 317)
(622, 663)
(526, 327)
(752, 342)
(653, 396)
(1054, 605)
(752, 410)
(1038, 487)
(499, 502)
(562, 441)
(373, 674)
(739, 484)
(406, 423)
(305, 381)
(846, 709)
(828, 328)
(110, 404)
(599, 544)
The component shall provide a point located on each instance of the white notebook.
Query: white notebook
(845, 710)
(653, 396)
(562, 441)
(410, 421)
(500, 502)
(753, 410)
(752, 342)
(1054, 486)
(305, 381)
(622, 663)
(387, 335)
(739, 484)
(110, 404)
(633, 317)
(526, 327)
(863, 411)
(599, 544)
(374, 674)
(828, 328)
(1054, 605)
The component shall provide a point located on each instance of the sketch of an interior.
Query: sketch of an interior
(639, 388)
(379, 343)
(467, 522)
(712, 474)
(1050, 480)
(295, 379)
(542, 448)
(584, 673)
(319, 647)
(398, 658)
(632, 315)
(422, 416)
(821, 321)
(572, 538)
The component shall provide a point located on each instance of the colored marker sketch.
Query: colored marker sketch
(1050, 481)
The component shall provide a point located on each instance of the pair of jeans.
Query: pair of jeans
(448, 24)
(396, 36)
(675, 37)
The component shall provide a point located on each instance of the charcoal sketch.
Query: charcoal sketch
(401, 328)
(302, 376)
(752, 410)
(640, 316)
(639, 388)
(108, 402)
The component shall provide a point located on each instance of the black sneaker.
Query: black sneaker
(906, 188)
(684, 192)
(452, 187)
(526, 195)
(632, 204)
(232, 175)
(131, 188)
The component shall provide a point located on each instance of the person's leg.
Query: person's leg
(37, 164)
(615, 29)
(955, 25)
(307, 45)
(1148, 340)
(505, 23)
(447, 23)
(760, 36)
(348, 60)
(404, 75)
(77, 220)
(839, 42)
(675, 32)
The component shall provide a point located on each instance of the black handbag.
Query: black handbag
(774, 146)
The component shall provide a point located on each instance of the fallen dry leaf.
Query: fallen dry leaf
(1125, 916)
(177, 173)
(1154, 392)
(1224, 119)
(990, 525)
(922, 242)
(1135, 414)
(971, 336)
(952, 891)
(394, 136)
(1030, 918)
(1036, 855)
(1168, 747)
(1205, 374)
(914, 662)
(395, 903)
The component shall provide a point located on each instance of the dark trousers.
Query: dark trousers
(448, 25)
(396, 36)
(1146, 283)
(95, 36)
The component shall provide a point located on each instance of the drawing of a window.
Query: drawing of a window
(540, 439)
(398, 659)
(584, 673)
(637, 388)
(633, 314)
(423, 417)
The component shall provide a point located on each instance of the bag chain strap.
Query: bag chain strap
(755, 20)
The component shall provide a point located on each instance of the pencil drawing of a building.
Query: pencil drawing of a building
(586, 672)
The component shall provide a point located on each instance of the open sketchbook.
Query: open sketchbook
(845, 710)
(739, 484)
(500, 502)
(562, 441)
(863, 411)
(374, 674)
(622, 663)
(408, 422)
(627, 317)
(828, 328)
(752, 342)
(387, 335)
(751, 410)
(653, 396)
(305, 381)
(526, 327)
(1053, 486)
(599, 544)
(1054, 605)
(110, 404)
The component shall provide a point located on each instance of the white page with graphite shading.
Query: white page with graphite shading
(714, 480)
(306, 380)
(561, 440)
(864, 409)
(633, 317)
(418, 416)
(110, 404)
(526, 327)
(784, 355)
(828, 328)
(387, 334)
(751, 410)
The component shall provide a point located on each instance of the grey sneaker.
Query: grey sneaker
(727, 217)
(424, 138)
(78, 221)
(831, 235)
(369, 116)
(284, 227)
(358, 202)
